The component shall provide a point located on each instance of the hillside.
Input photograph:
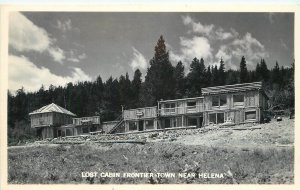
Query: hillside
(263, 155)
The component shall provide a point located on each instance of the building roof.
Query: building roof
(232, 88)
(181, 99)
(52, 108)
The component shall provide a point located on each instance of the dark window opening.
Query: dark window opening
(212, 118)
(220, 117)
(191, 105)
(167, 123)
(149, 124)
(215, 101)
(85, 130)
(93, 128)
(141, 125)
(250, 115)
(223, 100)
(192, 121)
(132, 126)
(238, 98)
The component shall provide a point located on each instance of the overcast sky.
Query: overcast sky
(56, 48)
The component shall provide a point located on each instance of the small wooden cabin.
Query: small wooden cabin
(48, 118)
(239, 103)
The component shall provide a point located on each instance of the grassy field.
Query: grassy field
(63, 164)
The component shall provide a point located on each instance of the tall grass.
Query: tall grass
(64, 164)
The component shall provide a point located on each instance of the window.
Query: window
(219, 100)
(216, 118)
(220, 117)
(191, 105)
(238, 98)
(212, 118)
(149, 124)
(250, 115)
(69, 132)
(215, 101)
(223, 100)
(132, 126)
(167, 123)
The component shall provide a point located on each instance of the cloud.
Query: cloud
(74, 58)
(197, 27)
(57, 54)
(138, 60)
(25, 36)
(190, 48)
(246, 46)
(283, 44)
(64, 25)
(22, 72)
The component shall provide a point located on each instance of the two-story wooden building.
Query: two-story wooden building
(239, 103)
(53, 121)
(181, 112)
(48, 118)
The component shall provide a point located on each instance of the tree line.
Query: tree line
(162, 81)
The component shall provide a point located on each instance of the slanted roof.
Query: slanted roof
(232, 88)
(52, 108)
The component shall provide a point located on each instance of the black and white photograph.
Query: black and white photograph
(131, 97)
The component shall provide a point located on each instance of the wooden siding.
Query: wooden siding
(181, 107)
(251, 99)
(107, 126)
(236, 116)
(49, 119)
(140, 113)
(86, 120)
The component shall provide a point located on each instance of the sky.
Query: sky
(60, 47)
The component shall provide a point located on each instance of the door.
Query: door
(141, 125)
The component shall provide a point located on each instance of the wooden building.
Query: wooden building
(53, 121)
(140, 119)
(48, 118)
(233, 104)
(181, 112)
(239, 103)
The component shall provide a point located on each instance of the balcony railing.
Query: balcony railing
(181, 110)
(140, 113)
(86, 120)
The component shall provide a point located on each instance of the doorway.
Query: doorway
(141, 125)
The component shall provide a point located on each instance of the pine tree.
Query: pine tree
(196, 78)
(276, 74)
(159, 80)
(221, 73)
(265, 73)
(179, 80)
(208, 77)
(243, 71)
(136, 86)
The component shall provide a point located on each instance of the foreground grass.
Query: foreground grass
(64, 164)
